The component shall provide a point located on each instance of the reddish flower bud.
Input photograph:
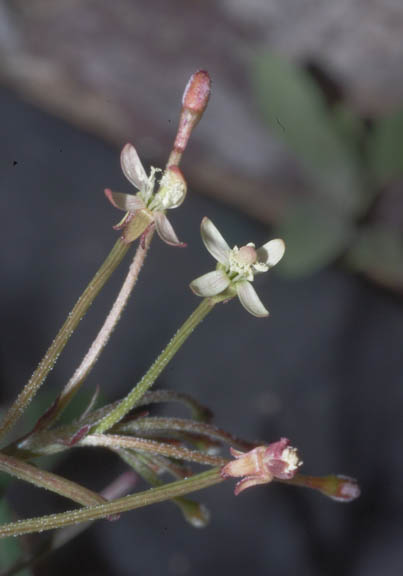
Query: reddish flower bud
(194, 103)
(197, 92)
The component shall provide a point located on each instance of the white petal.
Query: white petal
(132, 167)
(210, 284)
(250, 300)
(214, 241)
(271, 252)
(165, 230)
(125, 202)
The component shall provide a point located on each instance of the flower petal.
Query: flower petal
(271, 252)
(166, 231)
(125, 202)
(250, 300)
(214, 242)
(210, 284)
(132, 167)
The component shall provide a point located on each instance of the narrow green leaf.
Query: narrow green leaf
(314, 235)
(385, 148)
(10, 550)
(295, 109)
(378, 252)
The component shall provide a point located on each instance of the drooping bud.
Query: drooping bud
(194, 103)
(337, 487)
(262, 465)
(197, 515)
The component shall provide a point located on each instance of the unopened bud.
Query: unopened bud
(197, 515)
(197, 92)
(194, 103)
(337, 487)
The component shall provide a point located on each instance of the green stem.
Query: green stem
(103, 336)
(49, 481)
(155, 424)
(115, 442)
(199, 412)
(125, 405)
(139, 500)
(83, 303)
(193, 512)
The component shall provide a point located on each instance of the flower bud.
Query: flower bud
(337, 487)
(194, 103)
(197, 92)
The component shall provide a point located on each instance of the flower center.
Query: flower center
(241, 261)
(172, 191)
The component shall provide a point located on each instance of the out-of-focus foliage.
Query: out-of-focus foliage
(345, 162)
(377, 251)
(385, 148)
(295, 108)
(10, 549)
(314, 236)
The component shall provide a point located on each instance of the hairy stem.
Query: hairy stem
(196, 514)
(163, 424)
(130, 401)
(49, 481)
(199, 412)
(102, 339)
(139, 500)
(115, 442)
(122, 485)
(83, 303)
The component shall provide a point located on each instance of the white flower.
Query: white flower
(236, 268)
(146, 208)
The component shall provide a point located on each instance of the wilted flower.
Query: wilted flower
(262, 464)
(146, 207)
(236, 268)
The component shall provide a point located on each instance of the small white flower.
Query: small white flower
(236, 268)
(146, 208)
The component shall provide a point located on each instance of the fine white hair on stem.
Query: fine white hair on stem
(110, 323)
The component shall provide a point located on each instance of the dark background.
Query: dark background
(324, 369)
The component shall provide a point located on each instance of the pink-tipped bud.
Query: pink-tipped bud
(194, 103)
(197, 92)
(337, 487)
(341, 488)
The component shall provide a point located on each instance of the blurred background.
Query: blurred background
(303, 138)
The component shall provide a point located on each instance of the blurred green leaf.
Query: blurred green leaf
(378, 252)
(385, 148)
(295, 109)
(349, 125)
(10, 548)
(314, 236)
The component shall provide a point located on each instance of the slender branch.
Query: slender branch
(49, 481)
(102, 339)
(83, 303)
(122, 485)
(193, 512)
(130, 401)
(154, 424)
(199, 412)
(138, 500)
(115, 442)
